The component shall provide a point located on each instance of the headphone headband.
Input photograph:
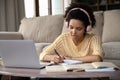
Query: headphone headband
(82, 11)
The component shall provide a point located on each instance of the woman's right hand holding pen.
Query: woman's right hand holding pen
(54, 58)
(58, 59)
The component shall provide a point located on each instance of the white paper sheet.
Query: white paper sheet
(67, 61)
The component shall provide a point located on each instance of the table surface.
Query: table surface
(23, 72)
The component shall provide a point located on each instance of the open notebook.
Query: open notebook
(87, 67)
(20, 53)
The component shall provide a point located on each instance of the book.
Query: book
(87, 67)
(102, 67)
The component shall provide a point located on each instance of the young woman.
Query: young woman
(77, 44)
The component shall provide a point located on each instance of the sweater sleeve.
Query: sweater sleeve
(50, 49)
(97, 46)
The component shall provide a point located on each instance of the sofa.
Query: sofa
(44, 30)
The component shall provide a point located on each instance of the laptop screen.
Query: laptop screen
(19, 53)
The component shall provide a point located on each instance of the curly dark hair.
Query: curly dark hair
(79, 14)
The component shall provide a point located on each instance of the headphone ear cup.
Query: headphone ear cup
(89, 28)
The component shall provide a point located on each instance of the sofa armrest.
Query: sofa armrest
(11, 36)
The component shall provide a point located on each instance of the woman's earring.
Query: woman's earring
(89, 28)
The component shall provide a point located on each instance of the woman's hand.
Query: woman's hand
(58, 59)
(55, 58)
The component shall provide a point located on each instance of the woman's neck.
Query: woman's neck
(78, 41)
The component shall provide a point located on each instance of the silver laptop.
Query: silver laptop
(20, 53)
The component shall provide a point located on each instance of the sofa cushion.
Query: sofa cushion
(111, 28)
(111, 50)
(42, 29)
(40, 47)
(98, 28)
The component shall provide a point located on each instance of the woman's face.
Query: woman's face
(77, 29)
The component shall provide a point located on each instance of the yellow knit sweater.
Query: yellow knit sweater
(90, 45)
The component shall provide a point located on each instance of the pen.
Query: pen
(57, 53)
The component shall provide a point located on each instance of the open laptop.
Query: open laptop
(20, 53)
